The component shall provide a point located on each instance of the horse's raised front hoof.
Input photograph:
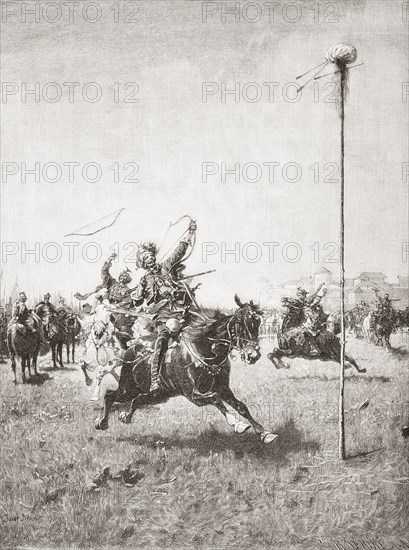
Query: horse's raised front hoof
(124, 417)
(362, 371)
(101, 424)
(241, 427)
(267, 437)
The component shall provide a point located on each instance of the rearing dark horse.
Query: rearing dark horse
(199, 369)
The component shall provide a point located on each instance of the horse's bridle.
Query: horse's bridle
(234, 342)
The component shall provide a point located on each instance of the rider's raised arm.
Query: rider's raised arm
(106, 277)
(180, 251)
(311, 297)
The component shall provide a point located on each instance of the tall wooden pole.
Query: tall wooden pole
(342, 453)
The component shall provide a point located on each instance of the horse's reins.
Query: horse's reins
(215, 369)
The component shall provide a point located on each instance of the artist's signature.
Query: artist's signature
(14, 518)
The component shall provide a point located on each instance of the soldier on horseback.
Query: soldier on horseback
(62, 307)
(300, 311)
(21, 314)
(165, 295)
(46, 311)
(118, 291)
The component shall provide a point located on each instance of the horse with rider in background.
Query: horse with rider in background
(24, 337)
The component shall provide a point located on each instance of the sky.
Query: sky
(180, 142)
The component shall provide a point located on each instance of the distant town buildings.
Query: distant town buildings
(366, 286)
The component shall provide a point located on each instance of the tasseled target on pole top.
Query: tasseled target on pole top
(340, 55)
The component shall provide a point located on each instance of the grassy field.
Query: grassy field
(192, 482)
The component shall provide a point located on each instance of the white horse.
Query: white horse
(102, 354)
(368, 326)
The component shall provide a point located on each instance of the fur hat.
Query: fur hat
(143, 250)
(126, 274)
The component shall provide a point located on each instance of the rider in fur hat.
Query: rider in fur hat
(159, 288)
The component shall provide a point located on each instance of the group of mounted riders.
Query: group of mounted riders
(376, 323)
(162, 301)
(143, 320)
(156, 342)
(162, 304)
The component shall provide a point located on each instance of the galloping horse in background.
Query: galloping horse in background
(25, 344)
(71, 328)
(384, 326)
(198, 369)
(295, 343)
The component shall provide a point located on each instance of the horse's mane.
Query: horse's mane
(201, 326)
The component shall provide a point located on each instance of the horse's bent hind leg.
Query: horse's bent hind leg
(275, 357)
(136, 402)
(265, 436)
(352, 361)
(101, 423)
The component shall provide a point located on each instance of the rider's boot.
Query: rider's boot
(158, 355)
(155, 364)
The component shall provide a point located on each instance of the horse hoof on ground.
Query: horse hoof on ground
(15, 382)
(270, 356)
(100, 424)
(268, 437)
(362, 371)
(124, 417)
(241, 427)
